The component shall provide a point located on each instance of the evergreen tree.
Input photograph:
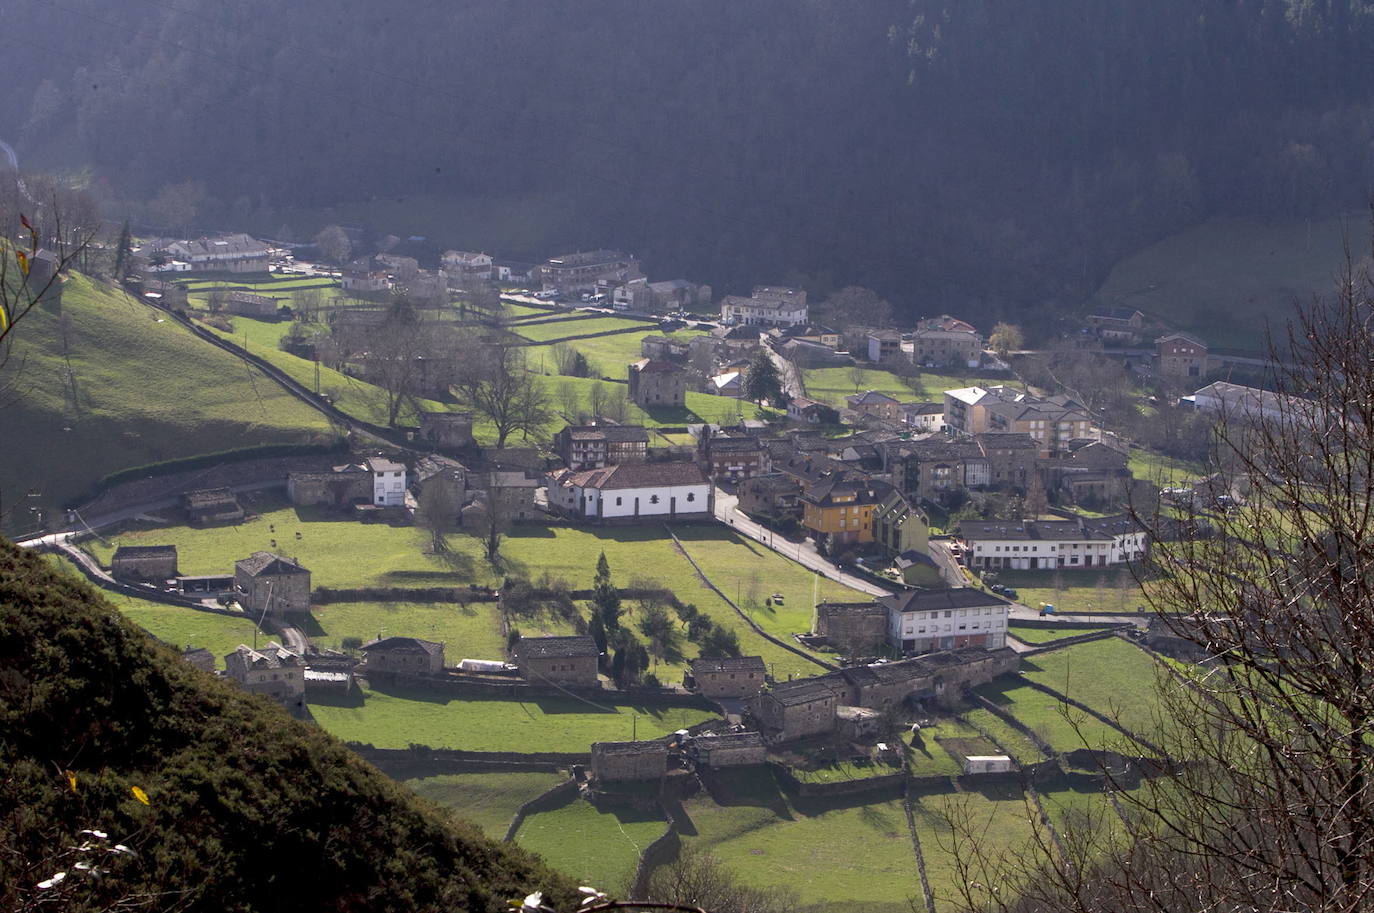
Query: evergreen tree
(762, 383)
(122, 252)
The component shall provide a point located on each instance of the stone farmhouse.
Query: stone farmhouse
(273, 671)
(404, 655)
(879, 405)
(773, 306)
(884, 346)
(1030, 545)
(599, 446)
(731, 457)
(365, 275)
(247, 304)
(664, 347)
(269, 585)
(233, 253)
(853, 628)
(729, 676)
(1116, 324)
(655, 382)
(212, 505)
(619, 761)
(772, 495)
(560, 660)
(446, 430)
(923, 621)
(580, 272)
(631, 492)
(795, 709)
(728, 749)
(144, 563)
(935, 347)
(199, 658)
(338, 488)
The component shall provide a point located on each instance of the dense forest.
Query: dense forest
(982, 156)
(117, 756)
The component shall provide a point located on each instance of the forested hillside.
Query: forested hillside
(980, 156)
(237, 807)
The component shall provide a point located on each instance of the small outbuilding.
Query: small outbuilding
(613, 761)
(142, 563)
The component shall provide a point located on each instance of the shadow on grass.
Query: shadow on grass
(553, 706)
(751, 787)
(309, 624)
(352, 700)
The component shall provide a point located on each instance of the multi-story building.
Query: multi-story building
(270, 585)
(144, 562)
(613, 761)
(465, 266)
(731, 458)
(1181, 355)
(388, 482)
(1117, 324)
(921, 621)
(657, 383)
(840, 512)
(233, 253)
(946, 340)
(558, 660)
(899, 526)
(774, 306)
(273, 671)
(729, 676)
(580, 272)
(879, 405)
(598, 446)
(1031, 545)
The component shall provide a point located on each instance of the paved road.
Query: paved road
(804, 553)
(791, 378)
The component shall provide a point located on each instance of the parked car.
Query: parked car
(1008, 592)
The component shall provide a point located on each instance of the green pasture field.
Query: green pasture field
(398, 717)
(1224, 279)
(181, 626)
(1029, 635)
(593, 846)
(610, 355)
(1162, 470)
(1112, 676)
(129, 386)
(1111, 591)
(1062, 726)
(551, 332)
(995, 816)
(833, 385)
(1011, 741)
(488, 800)
(467, 631)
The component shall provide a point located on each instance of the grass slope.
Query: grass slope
(832, 385)
(593, 846)
(140, 389)
(1225, 278)
(1111, 676)
(247, 809)
(488, 800)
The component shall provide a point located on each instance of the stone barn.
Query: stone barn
(730, 676)
(450, 430)
(853, 628)
(733, 749)
(269, 584)
(559, 660)
(340, 487)
(655, 382)
(406, 655)
(797, 709)
(213, 505)
(144, 563)
(274, 671)
(613, 761)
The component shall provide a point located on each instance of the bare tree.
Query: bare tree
(497, 384)
(441, 498)
(569, 401)
(334, 244)
(618, 404)
(1269, 805)
(699, 879)
(597, 399)
(396, 357)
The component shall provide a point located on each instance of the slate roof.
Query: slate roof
(803, 691)
(272, 656)
(618, 434)
(1081, 528)
(657, 366)
(637, 475)
(208, 497)
(657, 746)
(870, 398)
(729, 740)
(933, 600)
(266, 563)
(555, 647)
(382, 464)
(145, 551)
(405, 645)
(728, 664)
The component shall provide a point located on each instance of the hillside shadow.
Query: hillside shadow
(748, 787)
(351, 701)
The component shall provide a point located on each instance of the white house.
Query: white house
(1031, 545)
(632, 491)
(768, 306)
(919, 621)
(388, 482)
(924, 417)
(235, 253)
(460, 265)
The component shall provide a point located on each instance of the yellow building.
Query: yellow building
(840, 512)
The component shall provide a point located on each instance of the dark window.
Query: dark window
(653, 499)
(691, 496)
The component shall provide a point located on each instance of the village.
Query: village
(841, 560)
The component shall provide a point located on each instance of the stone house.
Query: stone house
(1089, 472)
(339, 488)
(771, 496)
(924, 621)
(880, 405)
(199, 658)
(1181, 355)
(796, 709)
(1011, 458)
(612, 761)
(212, 505)
(270, 585)
(858, 724)
(365, 275)
(655, 382)
(598, 446)
(939, 347)
(561, 660)
(273, 671)
(405, 655)
(730, 676)
(247, 304)
(661, 347)
(448, 430)
(766, 306)
(401, 268)
(733, 458)
(852, 628)
(144, 563)
(1116, 324)
(729, 749)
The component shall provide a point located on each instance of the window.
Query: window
(617, 501)
(948, 614)
(653, 499)
(691, 496)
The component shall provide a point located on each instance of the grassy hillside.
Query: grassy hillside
(110, 383)
(246, 809)
(1225, 278)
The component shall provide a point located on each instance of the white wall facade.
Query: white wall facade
(652, 501)
(1029, 555)
(948, 629)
